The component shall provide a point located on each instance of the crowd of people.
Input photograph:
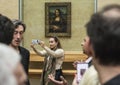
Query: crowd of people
(102, 45)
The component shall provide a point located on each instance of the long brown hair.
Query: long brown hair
(57, 40)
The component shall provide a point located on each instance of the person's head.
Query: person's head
(57, 12)
(20, 28)
(54, 43)
(103, 30)
(6, 30)
(11, 61)
(85, 46)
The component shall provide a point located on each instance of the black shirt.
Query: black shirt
(114, 81)
(25, 54)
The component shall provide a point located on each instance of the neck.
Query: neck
(106, 73)
(15, 47)
(54, 48)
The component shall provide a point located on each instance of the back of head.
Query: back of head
(6, 30)
(104, 32)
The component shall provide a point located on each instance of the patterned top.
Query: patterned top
(53, 61)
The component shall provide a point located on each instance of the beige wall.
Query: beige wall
(34, 17)
(102, 3)
(9, 8)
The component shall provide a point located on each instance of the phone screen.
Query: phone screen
(81, 68)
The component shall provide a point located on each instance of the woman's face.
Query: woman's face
(52, 43)
(85, 46)
(57, 13)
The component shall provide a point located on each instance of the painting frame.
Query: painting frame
(64, 28)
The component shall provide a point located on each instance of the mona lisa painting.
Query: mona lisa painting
(58, 19)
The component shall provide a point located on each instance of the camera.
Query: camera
(35, 41)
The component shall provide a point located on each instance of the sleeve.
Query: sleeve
(25, 54)
(57, 53)
(41, 53)
(27, 67)
(27, 60)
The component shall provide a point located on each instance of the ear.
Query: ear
(89, 43)
(56, 43)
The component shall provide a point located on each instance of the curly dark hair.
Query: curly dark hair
(17, 23)
(104, 33)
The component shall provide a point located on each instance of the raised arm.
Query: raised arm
(41, 53)
(57, 53)
(53, 45)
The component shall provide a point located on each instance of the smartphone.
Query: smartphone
(35, 41)
(81, 68)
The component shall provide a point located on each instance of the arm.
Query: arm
(27, 66)
(57, 53)
(41, 53)
(25, 54)
(27, 60)
(63, 82)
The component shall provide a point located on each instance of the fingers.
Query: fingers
(42, 44)
(32, 45)
(51, 78)
(64, 80)
(75, 63)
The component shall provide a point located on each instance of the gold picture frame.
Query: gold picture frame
(58, 19)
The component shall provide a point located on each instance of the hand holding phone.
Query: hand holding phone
(35, 41)
(81, 68)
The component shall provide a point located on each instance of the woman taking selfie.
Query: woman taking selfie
(54, 56)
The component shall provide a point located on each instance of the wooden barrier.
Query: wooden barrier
(70, 56)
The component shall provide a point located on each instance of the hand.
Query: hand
(32, 45)
(64, 80)
(56, 82)
(42, 44)
(75, 64)
(55, 27)
(51, 77)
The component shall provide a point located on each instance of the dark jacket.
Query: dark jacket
(25, 54)
(113, 81)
